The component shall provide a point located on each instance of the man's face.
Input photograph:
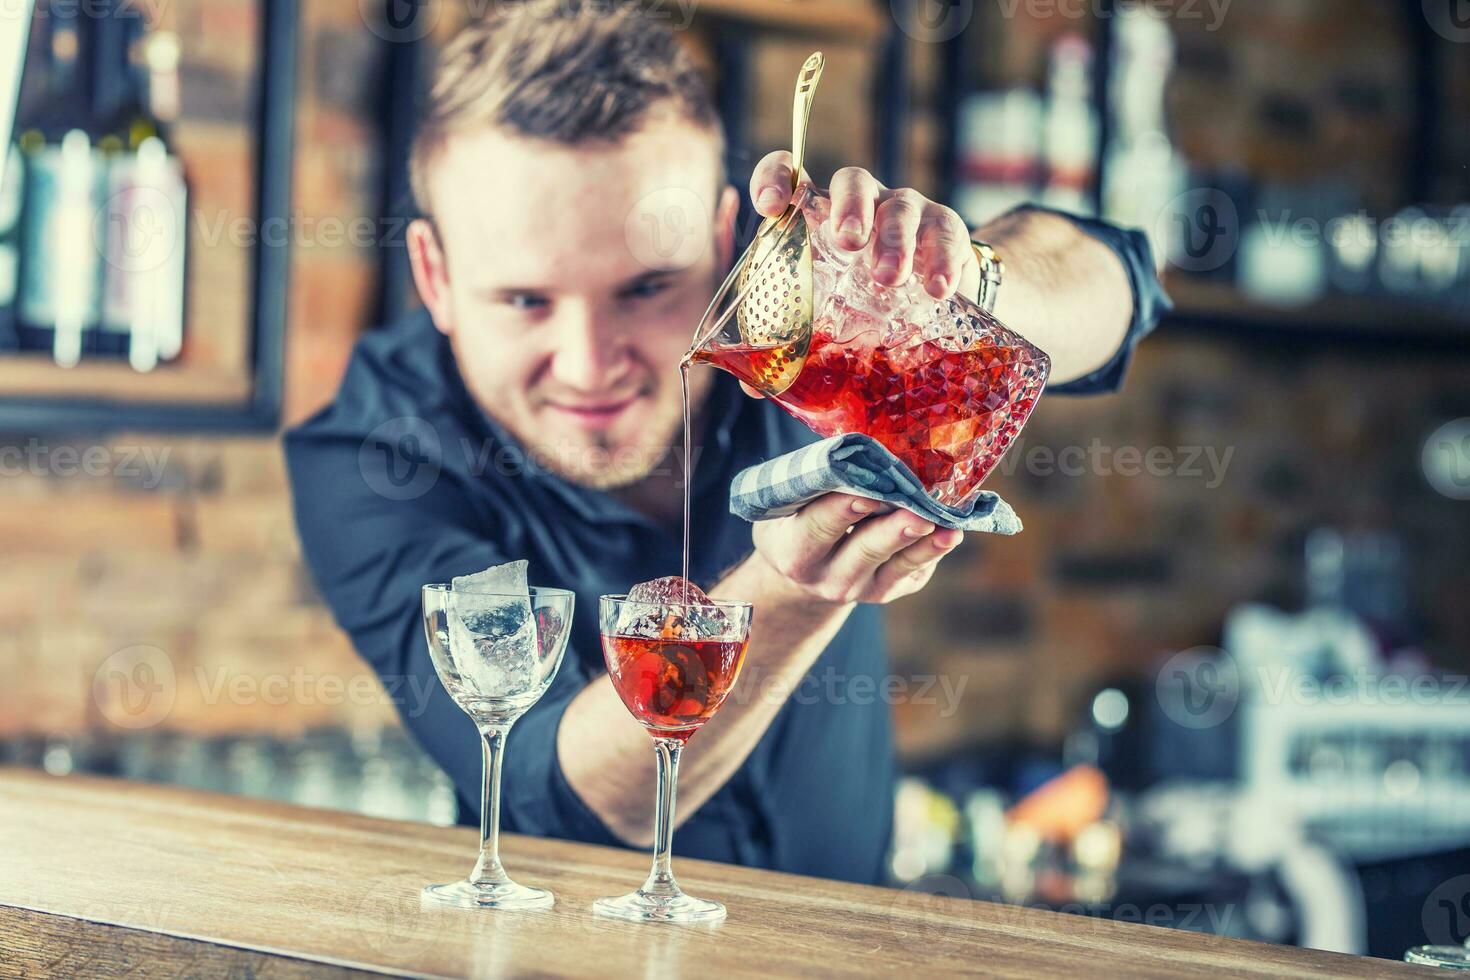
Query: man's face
(570, 280)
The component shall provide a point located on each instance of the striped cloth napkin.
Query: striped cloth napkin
(859, 465)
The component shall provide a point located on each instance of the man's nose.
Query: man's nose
(589, 355)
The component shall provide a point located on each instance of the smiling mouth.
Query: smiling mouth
(593, 414)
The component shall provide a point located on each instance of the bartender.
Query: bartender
(532, 410)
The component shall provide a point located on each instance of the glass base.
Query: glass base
(642, 906)
(503, 895)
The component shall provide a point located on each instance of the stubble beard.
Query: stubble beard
(601, 466)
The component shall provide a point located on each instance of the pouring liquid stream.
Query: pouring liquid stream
(684, 364)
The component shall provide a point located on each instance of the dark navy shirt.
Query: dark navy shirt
(403, 480)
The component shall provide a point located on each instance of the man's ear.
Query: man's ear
(725, 214)
(430, 273)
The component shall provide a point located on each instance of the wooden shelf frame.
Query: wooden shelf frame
(106, 409)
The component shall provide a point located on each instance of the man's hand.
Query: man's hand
(907, 232)
(842, 549)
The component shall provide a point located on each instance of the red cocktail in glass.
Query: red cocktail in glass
(673, 664)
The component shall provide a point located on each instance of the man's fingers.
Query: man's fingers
(907, 571)
(770, 184)
(897, 220)
(869, 546)
(854, 196)
(807, 537)
(944, 248)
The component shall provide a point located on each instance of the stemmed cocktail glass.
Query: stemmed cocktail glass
(496, 654)
(672, 664)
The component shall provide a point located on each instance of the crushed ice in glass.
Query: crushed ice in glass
(671, 608)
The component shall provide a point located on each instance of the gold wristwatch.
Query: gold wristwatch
(992, 270)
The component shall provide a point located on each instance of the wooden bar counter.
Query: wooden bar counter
(101, 877)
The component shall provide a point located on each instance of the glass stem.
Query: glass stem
(661, 879)
(487, 869)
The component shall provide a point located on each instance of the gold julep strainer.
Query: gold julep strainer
(765, 305)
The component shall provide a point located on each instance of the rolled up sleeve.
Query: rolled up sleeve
(1150, 301)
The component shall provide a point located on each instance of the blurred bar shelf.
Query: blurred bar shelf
(112, 876)
(852, 21)
(1337, 316)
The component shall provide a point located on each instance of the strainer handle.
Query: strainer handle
(801, 112)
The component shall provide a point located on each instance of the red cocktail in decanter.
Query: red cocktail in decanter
(945, 386)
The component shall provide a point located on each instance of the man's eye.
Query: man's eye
(525, 301)
(643, 290)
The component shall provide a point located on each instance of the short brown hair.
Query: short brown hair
(568, 71)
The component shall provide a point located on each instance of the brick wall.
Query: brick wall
(200, 562)
(1114, 572)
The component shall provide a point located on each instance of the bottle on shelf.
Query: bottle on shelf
(1000, 152)
(12, 184)
(60, 267)
(144, 212)
(103, 230)
(1069, 138)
